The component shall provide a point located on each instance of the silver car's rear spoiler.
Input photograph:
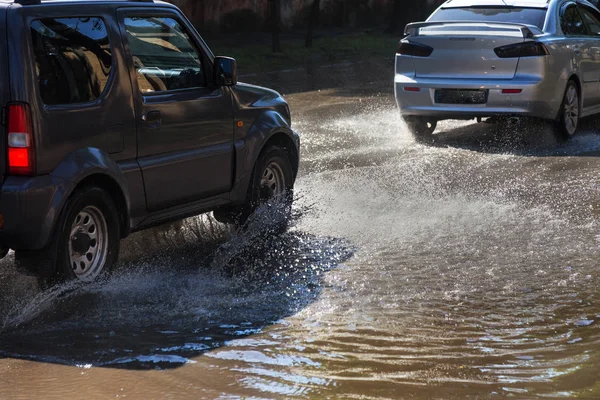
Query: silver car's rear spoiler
(528, 31)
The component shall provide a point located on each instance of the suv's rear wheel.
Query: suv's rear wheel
(86, 241)
(421, 128)
(88, 244)
(568, 119)
(272, 181)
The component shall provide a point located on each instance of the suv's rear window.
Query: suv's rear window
(73, 59)
(528, 16)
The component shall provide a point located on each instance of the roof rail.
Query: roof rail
(34, 2)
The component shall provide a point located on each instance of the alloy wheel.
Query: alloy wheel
(571, 110)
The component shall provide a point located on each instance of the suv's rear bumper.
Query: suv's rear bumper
(29, 210)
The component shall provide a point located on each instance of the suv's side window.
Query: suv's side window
(571, 22)
(591, 19)
(164, 55)
(73, 59)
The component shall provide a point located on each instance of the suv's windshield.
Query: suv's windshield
(529, 16)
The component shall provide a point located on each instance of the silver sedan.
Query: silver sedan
(495, 58)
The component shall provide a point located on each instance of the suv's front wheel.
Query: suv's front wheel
(273, 178)
(272, 182)
(85, 244)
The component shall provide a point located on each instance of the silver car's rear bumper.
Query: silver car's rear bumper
(541, 92)
(536, 99)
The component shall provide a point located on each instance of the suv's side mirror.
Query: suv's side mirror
(225, 71)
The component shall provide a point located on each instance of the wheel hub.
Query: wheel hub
(81, 242)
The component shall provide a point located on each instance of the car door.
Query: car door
(185, 123)
(591, 18)
(577, 39)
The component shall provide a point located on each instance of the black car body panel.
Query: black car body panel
(161, 155)
(264, 114)
(30, 207)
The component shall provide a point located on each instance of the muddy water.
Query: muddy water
(466, 269)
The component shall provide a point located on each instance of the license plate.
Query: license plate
(460, 96)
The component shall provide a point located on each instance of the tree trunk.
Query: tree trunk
(275, 6)
(312, 22)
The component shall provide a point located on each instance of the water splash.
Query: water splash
(38, 305)
(164, 309)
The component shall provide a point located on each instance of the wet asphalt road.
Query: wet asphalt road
(465, 269)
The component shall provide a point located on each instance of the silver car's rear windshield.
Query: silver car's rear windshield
(521, 15)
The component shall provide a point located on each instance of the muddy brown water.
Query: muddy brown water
(466, 269)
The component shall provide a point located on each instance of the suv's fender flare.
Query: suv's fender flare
(248, 149)
(75, 169)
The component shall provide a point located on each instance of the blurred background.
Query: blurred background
(268, 35)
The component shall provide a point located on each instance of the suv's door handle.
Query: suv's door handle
(153, 119)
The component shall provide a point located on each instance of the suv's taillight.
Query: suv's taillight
(407, 48)
(21, 149)
(526, 49)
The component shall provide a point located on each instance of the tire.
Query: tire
(85, 244)
(569, 114)
(272, 177)
(421, 128)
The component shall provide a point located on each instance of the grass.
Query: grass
(254, 57)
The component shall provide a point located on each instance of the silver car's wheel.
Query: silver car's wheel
(88, 244)
(571, 110)
(421, 128)
(569, 115)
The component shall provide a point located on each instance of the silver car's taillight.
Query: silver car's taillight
(407, 48)
(526, 49)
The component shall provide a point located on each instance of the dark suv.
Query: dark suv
(118, 117)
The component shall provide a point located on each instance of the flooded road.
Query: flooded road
(465, 269)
